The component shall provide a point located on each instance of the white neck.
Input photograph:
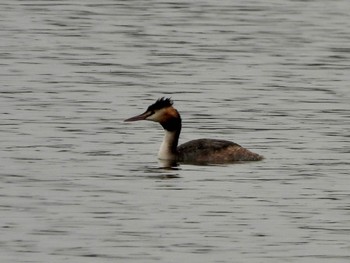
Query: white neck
(167, 150)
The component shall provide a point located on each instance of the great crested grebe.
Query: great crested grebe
(208, 151)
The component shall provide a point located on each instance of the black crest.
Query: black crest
(160, 104)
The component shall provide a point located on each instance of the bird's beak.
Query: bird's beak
(140, 117)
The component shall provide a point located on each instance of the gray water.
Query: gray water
(80, 185)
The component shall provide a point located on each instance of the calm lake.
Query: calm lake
(78, 184)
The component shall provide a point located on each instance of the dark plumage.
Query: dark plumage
(160, 104)
(214, 151)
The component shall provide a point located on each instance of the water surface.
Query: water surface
(80, 185)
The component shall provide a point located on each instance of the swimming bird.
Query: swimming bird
(200, 151)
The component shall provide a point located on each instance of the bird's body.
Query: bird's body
(200, 151)
(214, 151)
